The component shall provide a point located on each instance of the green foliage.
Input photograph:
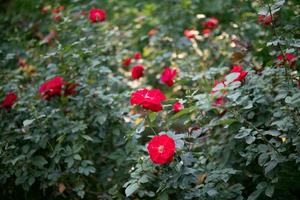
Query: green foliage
(92, 145)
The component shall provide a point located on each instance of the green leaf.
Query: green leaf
(152, 116)
(27, 122)
(131, 189)
(39, 161)
(269, 191)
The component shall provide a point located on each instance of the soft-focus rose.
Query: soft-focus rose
(211, 23)
(190, 34)
(290, 58)
(266, 20)
(126, 62)
(148, 99)
(48, 39)
(137, 56)
(206, 32)
(46, 9)
(161, 149)
(152, 32)
(168, 75)
(58, 9)
(97, 15)
(51, 88)
(137, 72)
(219, 88)
(177, 107)
(9, 100)
(56, 18)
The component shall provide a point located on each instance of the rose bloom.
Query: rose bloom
(291, 58)
(97, 15)
(211, 23)
(148, 99)
(206, 32)
(177, 107)
(137, 72)
(137, 56)
(152, 32)
(48, 39)
(126, 62)
(266, 20)
(58, 9)
(189, 34)
(70, 88)
(51, 88)
(219, 87)
(242, 74)
(56, 18)
(22, 62)
(9, 100)
(168, 75)
(45, 9)
(161, 149)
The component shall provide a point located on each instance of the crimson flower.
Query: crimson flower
(137, 72)
(137, 56)
(291, 58)
(168, 75)
(239, 70)
(177, 107)
(211, 23)
(58, 9)
(70, 88)
(265, 19)
(51, 88)
(97, 15)
(206, 32)
(126, 62)
(9, 100)
(148, 99)
(50, 37)
(161, 149)
(189, 34)
(56, 18)
(219, 87)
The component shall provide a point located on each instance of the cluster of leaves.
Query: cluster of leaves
(93, 144)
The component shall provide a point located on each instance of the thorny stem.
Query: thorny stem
(280, 48)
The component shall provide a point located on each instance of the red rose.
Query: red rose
(152, 32)
(239, 70)
(189, 34)
(219, 87)
(211, 23)
(137, 72)
(50, 37)
(9, 100)
(97, 15)
(51, 88)
(58, 9)
(56, 18)
(126, 62)
(148, 99)
(45, 9)
(168, 75)
(137, 56)
(206, 32)
(161, 149)
(266, 20)
(70, 88)
(291, 58)
(177, 107)
(22, 62)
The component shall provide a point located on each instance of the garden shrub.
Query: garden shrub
(153, 99)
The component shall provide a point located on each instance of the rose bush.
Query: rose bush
(175, 99)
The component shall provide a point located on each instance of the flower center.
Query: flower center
(161, 149)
